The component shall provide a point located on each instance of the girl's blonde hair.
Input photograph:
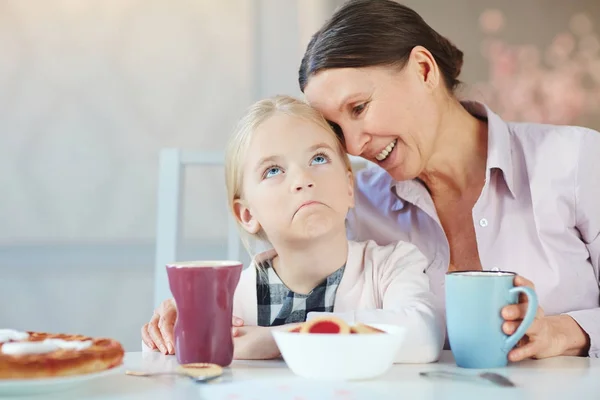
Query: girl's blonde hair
(239, 143)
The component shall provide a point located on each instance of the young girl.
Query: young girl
(290, 184)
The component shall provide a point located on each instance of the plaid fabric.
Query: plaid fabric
(278, 305)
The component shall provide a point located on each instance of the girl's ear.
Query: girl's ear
(351, 189)
(245, 217)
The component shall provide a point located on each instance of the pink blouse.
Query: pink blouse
(538, 215)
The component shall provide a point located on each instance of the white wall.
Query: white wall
(89, 92)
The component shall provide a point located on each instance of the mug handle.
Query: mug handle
(532, 307)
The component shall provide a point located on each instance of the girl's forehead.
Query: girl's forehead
(283, 127)
(294, 137)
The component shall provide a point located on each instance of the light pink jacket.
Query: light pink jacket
(381, 284)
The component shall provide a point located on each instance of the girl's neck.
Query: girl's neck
(303, 266)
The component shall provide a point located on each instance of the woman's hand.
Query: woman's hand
(548, 336)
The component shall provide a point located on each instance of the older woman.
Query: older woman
(469, 189)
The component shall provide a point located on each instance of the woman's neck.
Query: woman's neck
(303, 266)
(460, 154)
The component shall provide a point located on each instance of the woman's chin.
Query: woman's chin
(393, 164)
(399, 173)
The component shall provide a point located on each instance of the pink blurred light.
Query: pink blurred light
(594, 70)
(491, 21)
(589, 44)
(581, 24)
(522, 87)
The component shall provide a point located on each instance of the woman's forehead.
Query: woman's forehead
(330, 89)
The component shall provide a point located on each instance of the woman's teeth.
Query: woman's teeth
(386, 152)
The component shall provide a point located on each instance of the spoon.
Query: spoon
(199, 379)
(493, 377)
(199, 372)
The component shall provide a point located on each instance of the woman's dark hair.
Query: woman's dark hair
(366, 33)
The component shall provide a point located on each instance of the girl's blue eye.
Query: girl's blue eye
(272, 171)
(319, 159)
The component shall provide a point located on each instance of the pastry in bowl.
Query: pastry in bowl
(329, 348)
(35, 355)
(333, 325)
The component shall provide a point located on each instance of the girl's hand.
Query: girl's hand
(158, 333)
(256, 342)
(236, 323)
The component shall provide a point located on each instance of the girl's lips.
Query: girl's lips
(307, 204)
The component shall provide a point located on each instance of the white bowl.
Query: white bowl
(340, 357)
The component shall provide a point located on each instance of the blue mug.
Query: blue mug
(474, 301)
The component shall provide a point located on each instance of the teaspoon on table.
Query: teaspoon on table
(198, 379)
(199, 372)
(492, 377)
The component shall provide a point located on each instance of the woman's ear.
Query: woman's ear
(425, 66)
(245, 218)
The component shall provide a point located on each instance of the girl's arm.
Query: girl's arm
(406, 300)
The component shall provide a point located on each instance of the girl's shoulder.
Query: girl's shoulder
(399, 254)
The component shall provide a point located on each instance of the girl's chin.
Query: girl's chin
(314, 226)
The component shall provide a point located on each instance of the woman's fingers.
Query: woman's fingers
(521, 281)
(528, 350)
(510, 327)
(514, 312)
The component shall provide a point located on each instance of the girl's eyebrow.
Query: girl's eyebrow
(321, 145)
(265, 160)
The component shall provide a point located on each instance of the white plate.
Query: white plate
(46, 385)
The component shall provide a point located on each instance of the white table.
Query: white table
(556, 378)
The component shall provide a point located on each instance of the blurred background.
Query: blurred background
(91, 90)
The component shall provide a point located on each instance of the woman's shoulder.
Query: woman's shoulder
(538, 139)
(551, 155)
(375, 177)
(534, 140)
(374, 181)
(373, 188)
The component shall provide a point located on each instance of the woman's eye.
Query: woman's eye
(272, 171)
(357, 110)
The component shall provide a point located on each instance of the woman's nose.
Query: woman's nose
(356, 142)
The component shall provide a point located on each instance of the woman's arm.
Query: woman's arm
(576, 332)
(587, 203)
